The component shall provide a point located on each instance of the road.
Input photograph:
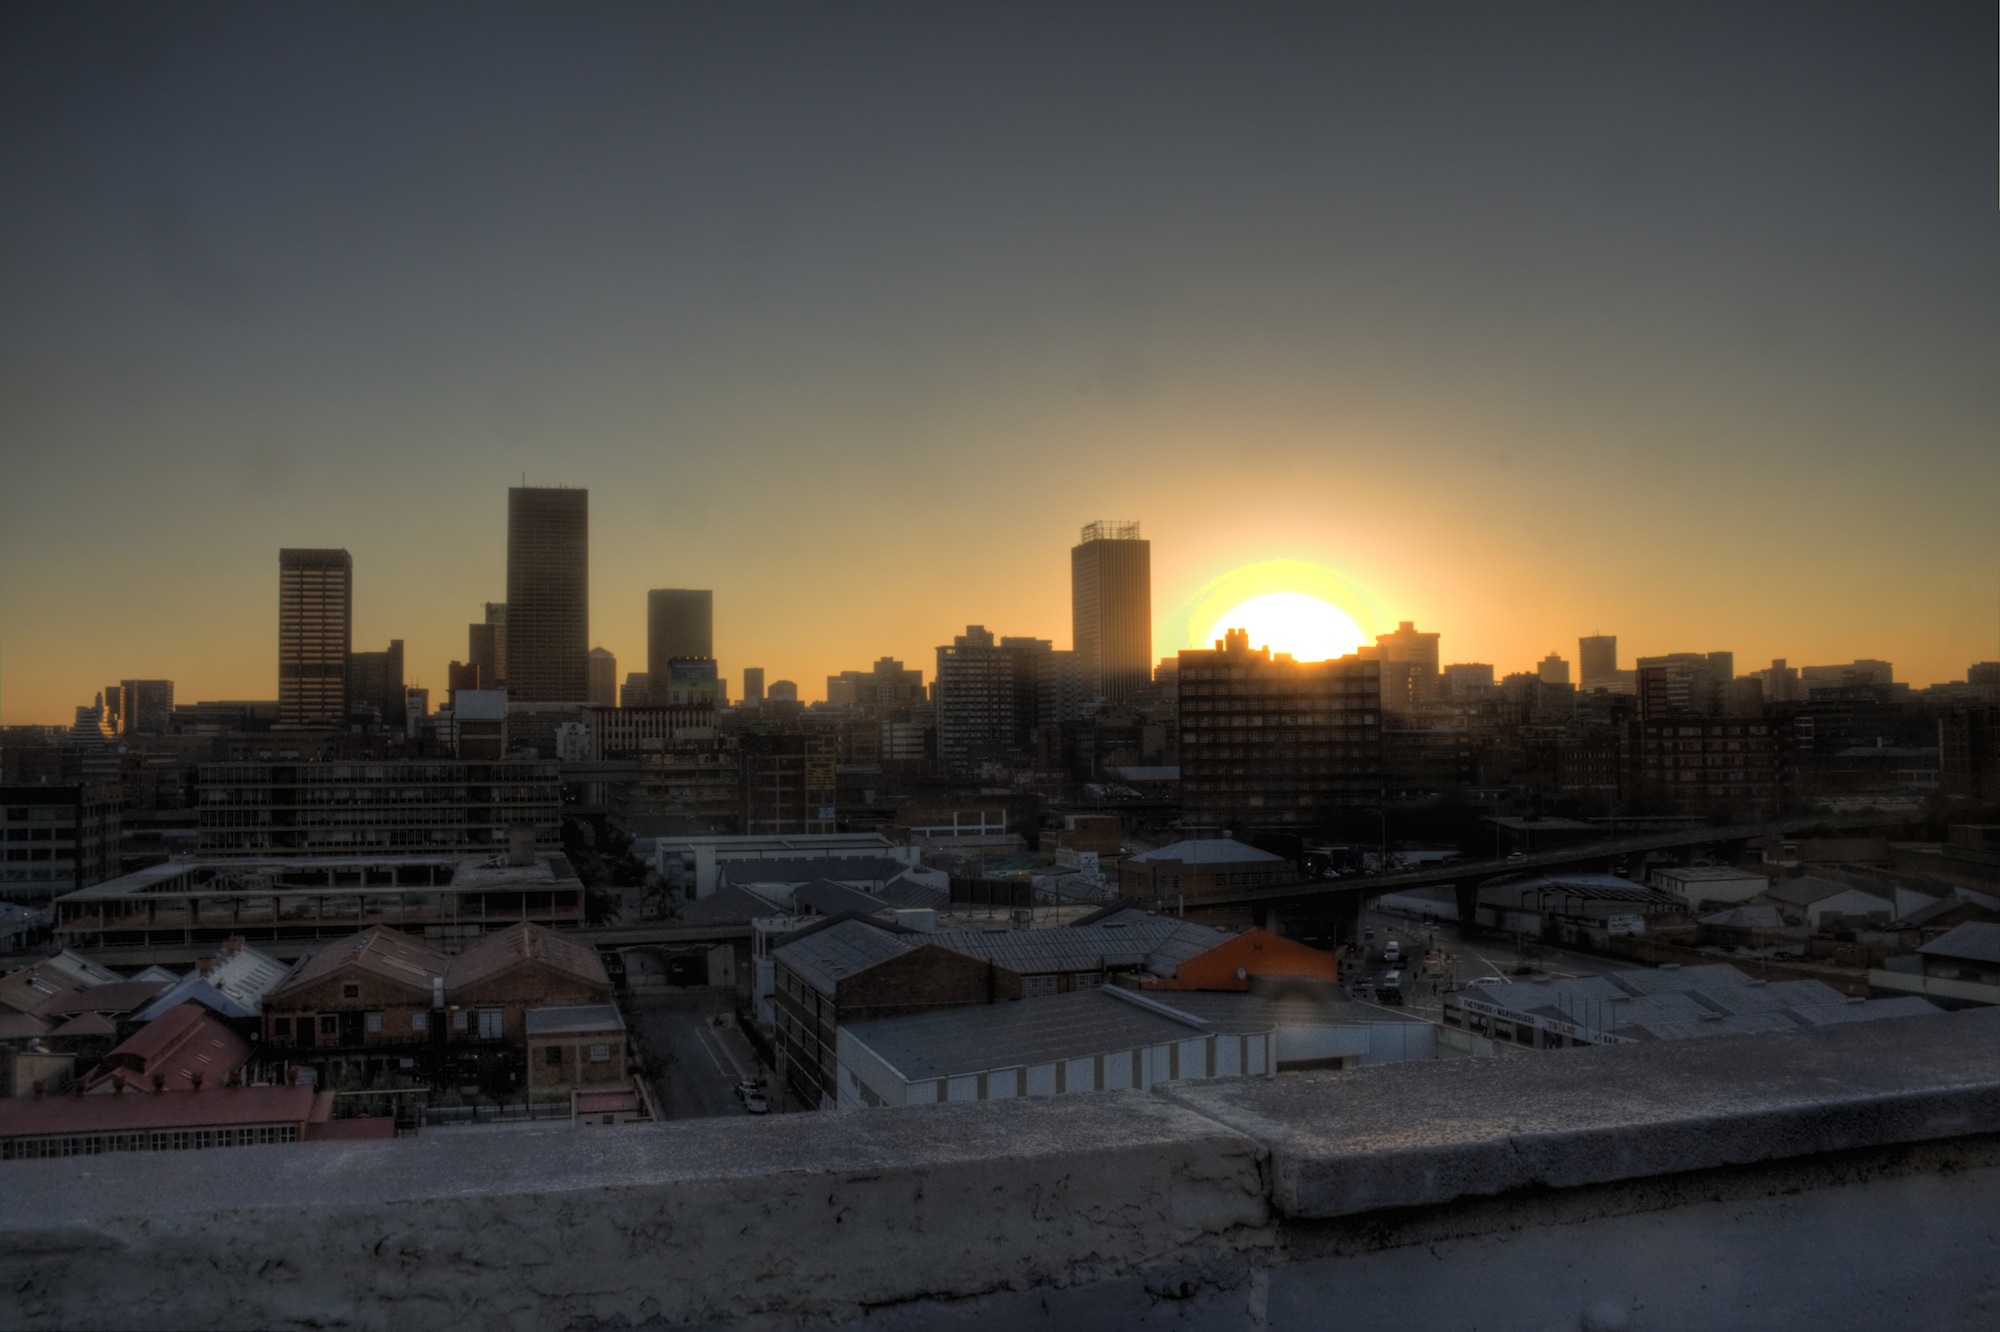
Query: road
(699, 1063)
(1461, 960)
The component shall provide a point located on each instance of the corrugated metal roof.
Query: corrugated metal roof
(1157, 943)
(575, 1020)
(973, 1038)
(1974, 941)
(825, 957)
(1205, 851)
(845, 869)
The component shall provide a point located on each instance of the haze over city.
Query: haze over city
(1525, 323)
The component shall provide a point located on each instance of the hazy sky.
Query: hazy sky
(1676, 322)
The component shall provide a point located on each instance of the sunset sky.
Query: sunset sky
(1678, 322)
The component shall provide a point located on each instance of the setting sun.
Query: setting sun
(1306, 627)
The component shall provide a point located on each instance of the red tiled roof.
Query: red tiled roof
(87, 1024)
(179, 1043)
(137, 1111)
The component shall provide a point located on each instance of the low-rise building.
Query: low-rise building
(1823, 904)
(846, 969)
(575, 1049)
(1663, 1004)
(1100, 1040)
(143, 1121)
(1708, 887)
(210, 901)
(1200, 865)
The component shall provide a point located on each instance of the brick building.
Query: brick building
(846, 969)
(1698, 763)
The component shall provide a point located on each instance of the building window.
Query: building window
(374, 1022)
(420, 1021)
(281, 1029)
(600, 1054)
(458, 1020)
(329, 1024)
(489, 1024)
(553, 1056)
(350, 991)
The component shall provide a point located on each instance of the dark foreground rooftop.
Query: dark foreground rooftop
(1841, 1177)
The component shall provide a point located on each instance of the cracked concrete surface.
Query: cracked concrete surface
(1206, 1205)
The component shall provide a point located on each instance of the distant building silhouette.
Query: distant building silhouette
(375, 681)
(1553, 670)
(548, 595)
(1468, 679)
(486, 646)
(637, 691)
(680, 626)
(1409, 667)
(315, 631)
(1596, 659)
(888, 684)
(986, 693)
(603, 682)
(1111, 609)
(782, 691)
(143, 707)
(1685, 683)
(753, 684)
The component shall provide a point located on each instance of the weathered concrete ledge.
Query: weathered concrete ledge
(1435, 1132)
(1551, 1184)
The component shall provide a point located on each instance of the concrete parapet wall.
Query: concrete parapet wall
(1841, 1177)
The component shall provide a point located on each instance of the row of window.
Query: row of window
(490, 1024)
(163, 1140)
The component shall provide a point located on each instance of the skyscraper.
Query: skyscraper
(1597, 658)
(753, 684)
(486, 646)
(680, 626)
(1409, 667)
(1111, 609)
(548, 594)
(603, 678)
(315, 625)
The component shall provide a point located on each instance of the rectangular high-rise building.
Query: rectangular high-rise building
(603, 678)
(1597, 658)
(486, 646)
(548, 594)
(376, 679)
(315, 628)
(1409, 667)
(1268, 742)
(680, 626)
(1111, 609)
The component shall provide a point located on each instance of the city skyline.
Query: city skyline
(631, 645)
(1672, 324)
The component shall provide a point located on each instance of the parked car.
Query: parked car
(745, 1090)
(1392, 952)
(756, 1104)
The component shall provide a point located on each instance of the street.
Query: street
(699, 1063)
(1459, 962)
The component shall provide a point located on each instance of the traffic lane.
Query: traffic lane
(700, 1063)
(1486, 953)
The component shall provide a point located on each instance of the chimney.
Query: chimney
(159, 1082)
(117, 1084)
(205, 967)
(437, 993)
(232, 945)
(195, 1078)
(41, 1088)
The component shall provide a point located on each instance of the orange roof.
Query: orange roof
(1232, 964)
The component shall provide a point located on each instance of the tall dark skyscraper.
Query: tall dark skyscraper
(680, 626)
(1597, 658)
(1111, 609)
(548, 594)
(315, 628)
